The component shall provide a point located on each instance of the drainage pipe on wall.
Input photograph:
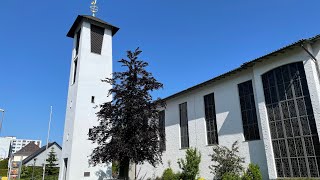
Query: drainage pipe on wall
(312, 57)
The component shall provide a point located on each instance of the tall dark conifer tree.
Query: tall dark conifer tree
(128, 130)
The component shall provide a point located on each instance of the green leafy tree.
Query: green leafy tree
(51, 163)
(226, 161)
(128, 130)
(190, 165)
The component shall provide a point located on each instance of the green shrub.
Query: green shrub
(190, 166)
(253, 172)
(4, 164)
(168, 174)
(3, 172)
(226, 161)
(230, 176)
(26, 173)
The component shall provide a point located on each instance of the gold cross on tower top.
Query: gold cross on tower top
(94, 7)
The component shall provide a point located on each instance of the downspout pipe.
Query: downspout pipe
(312, 57)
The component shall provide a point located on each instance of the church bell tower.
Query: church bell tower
(90, 63)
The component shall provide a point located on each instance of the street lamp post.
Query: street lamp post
(1, 110)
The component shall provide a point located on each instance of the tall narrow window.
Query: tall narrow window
(184, 125)
(248, 111)
(162, 130)
(78, 41)
(75, 66)
(211, 121)
(293, 129)
(96, 39)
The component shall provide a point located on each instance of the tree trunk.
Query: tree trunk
(124, 169)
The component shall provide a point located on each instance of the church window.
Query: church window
(162, 130)
(184, 125)
(211, 121)
(248, 111)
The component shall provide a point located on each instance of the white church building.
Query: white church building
(270, 105)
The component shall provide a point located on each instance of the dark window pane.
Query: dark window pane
(78, 41)
(96, 39)
(211, 122)
(162, 130)
(184, 125)
(295, 167)
(248, 110)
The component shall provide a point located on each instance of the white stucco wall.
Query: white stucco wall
(41, 158)
(80, 112)
(229, 122)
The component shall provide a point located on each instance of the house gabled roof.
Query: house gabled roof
(27, 150)
(39, 151)
(247, 65)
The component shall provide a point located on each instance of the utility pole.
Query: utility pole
(34, 163)
(44, 165)
(1, 110)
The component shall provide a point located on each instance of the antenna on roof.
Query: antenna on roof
(94, 7)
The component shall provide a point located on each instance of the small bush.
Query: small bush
(4, 164)
(168, 174)
(226, 161)
(230, 176)
(190, 165)
(253, 172)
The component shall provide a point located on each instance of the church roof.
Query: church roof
(27, 150)
(92, 20)
(247, 65)
(39, 151)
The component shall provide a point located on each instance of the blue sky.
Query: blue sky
(185, 42)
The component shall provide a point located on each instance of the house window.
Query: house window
(78, 41)
(96, 39)
(184, 125)
(162, 130)
(211, 121)
(75, 66)
(248, 111)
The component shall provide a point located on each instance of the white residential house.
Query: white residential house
(38, 158)
(270, 105)
(25, 152)
(91, 62)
